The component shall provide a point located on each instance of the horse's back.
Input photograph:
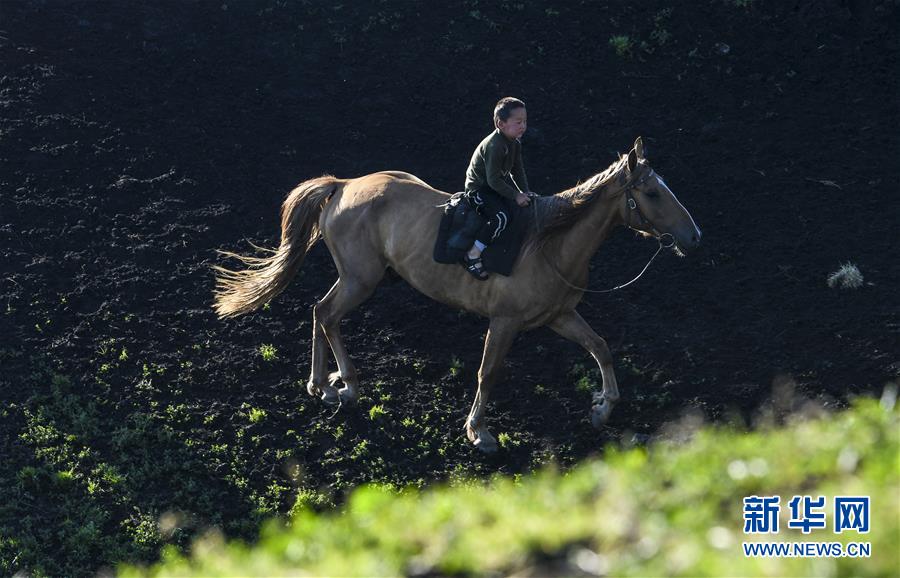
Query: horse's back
(404, 176)
(386, 187)
(387, 203)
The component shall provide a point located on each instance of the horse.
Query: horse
(390, 219)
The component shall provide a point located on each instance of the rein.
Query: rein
(633, 206)
(617, 287)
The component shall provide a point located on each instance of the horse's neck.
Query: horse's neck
(574, 248)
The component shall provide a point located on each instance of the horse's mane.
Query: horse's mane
(557, 213)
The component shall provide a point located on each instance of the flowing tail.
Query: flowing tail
(239, 292)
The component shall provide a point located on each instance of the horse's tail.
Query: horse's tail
(239, 292)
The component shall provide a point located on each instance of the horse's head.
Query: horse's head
(650, 207)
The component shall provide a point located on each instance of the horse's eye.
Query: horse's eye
(652, 194)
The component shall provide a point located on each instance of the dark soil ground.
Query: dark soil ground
(136, 139)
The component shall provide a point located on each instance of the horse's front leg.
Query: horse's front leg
(574, 328)
(499, 339)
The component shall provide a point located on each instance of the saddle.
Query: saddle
(459, 225)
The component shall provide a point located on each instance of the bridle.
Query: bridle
(633, 208)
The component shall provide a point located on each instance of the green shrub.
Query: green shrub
(667, 509)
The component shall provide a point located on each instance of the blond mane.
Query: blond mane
(558, 213)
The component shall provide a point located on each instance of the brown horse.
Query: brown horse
(390, 219)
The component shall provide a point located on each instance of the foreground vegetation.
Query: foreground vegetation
(674, 508)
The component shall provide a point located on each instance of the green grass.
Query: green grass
(83, 486)
(668, 509)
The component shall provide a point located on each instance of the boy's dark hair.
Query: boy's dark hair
(505, 106)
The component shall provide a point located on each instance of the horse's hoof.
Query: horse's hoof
(347, 396)
(484, 441)
(330, 396)
(313, 389)
(600, 411)
(488, 446)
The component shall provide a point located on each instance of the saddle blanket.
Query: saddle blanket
(459, 225)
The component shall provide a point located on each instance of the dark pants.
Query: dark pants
(497, 211)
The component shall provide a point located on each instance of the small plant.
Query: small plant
(149, 370)
(309, 499)
(507, 441)
(65, 478)
(660, 35)
(106, 346)
(586, 379)
(419, 367)
(847, 277)
(361, 450)
(377, 412)
(256, 414)
(123, 355)
(455, 366)
(30, 477)
(268, 352)
(585, 384)
(622, 44)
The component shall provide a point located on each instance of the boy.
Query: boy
(495, 179)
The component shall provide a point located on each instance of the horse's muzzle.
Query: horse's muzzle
(684, 242)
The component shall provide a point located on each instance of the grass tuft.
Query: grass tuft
(622, 44)
(847, 277)
(268, 352)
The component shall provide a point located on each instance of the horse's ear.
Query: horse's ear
(632, 161)
(639, 148)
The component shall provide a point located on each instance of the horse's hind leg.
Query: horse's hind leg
(318, 380)
(574, 328)
(348, 292)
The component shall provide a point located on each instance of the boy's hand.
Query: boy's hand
(522, 199)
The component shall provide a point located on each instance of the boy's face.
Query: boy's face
(515, 125)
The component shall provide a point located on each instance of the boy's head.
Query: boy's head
(510, 117)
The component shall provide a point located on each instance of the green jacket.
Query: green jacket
(497, 163)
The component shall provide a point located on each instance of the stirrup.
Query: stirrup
(474, 267)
